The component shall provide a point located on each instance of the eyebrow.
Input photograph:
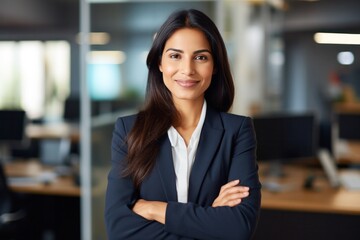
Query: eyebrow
(181, 51)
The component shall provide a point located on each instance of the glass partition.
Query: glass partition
(114, 74)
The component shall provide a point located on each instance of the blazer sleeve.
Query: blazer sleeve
(239, 222)
(121, 222)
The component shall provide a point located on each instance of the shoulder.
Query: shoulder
(228, 121)
(126, 122)
(233, 118)
(128, 119)
(236, 122)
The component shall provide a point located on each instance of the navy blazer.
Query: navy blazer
(226, 152)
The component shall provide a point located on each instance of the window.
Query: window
(35, 77)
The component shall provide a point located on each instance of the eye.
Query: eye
(201, 58)
(174, 56)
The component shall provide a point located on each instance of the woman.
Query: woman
(178, 164)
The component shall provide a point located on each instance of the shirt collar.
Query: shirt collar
(174, 135)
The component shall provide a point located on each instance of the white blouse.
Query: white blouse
(184, 157)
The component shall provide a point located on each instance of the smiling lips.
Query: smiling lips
(187, 83)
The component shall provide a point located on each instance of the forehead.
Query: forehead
(188, 38)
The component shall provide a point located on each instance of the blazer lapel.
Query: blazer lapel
(165, 168)
(210, 139)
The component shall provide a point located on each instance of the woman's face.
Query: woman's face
(187, 64)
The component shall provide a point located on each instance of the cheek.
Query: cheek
(168, 69)
(207, 73)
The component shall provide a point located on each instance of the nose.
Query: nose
(187, 67)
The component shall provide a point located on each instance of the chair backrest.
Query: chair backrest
(10, 212)
(5, 199)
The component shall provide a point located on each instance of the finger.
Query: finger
(233, 203)
(244, 189)
(228, 199)
(236, 189)
(229, 185)
(230, 203)
(234, 196)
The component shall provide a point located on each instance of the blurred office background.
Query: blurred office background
(74, 66)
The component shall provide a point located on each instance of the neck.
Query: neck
(190, 112)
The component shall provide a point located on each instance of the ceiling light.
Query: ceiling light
(345, 58)
(337, 38)
(107, 57)
(96, 38)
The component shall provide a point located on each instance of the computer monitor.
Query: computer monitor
(348, 125)
(346, 136)
(72, 109)
(12, 130)
(54, 151)
(284, 137)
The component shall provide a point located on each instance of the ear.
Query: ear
(160, 67)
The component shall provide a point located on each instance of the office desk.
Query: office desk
(53, 130)
(50, 208)
(296, 213)
(62, 186)
(321, 199)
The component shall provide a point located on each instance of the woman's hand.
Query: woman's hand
(231, 194)
(151, 210)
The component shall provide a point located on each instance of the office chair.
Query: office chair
(11, 215)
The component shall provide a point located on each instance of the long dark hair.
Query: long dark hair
(159, 112)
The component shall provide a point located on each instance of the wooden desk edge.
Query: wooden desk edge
(300, 207)
(43, 190)
(62, 186)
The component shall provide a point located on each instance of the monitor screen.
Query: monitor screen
(54, 151)
(285, 136)
(348, 126)
(12, 126)
(72, 109)
(104, 81)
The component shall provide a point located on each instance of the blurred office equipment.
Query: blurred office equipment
(347, 178)
(303, 213)
(12, 131)
(348, 126)
(51, 203)
(54, 151)
(346, 151)
(53, 130)
(284, 137)
(11, 214)
(45, 179)
(346, 136)
(72, 110)
(332, 200)
(18, 171)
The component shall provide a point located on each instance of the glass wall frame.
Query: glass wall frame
(114, 41)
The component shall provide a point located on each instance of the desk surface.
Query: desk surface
(348, 152)
(53, 130)
(322, 198)
(63, 186)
